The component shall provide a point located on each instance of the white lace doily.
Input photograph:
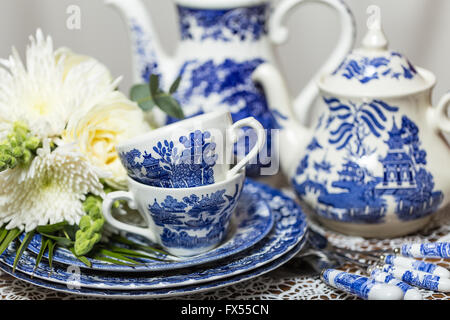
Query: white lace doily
(291, 281)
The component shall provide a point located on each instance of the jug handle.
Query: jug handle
(442, 118)
(278, 34)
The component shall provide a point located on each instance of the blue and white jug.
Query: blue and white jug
(375, 163)
(222, 42)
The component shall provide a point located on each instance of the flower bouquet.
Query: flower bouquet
(61, 116)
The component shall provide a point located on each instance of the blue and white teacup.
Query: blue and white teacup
(189, 153)
(184, 221)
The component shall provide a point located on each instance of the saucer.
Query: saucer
(71, 288)
(252, 221)
(289, 230)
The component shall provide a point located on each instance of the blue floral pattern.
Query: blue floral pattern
(194, 222)
(172, 167)
(223, 25)
(367, 69)
(358, 194)
(146, 57)
(231, 80)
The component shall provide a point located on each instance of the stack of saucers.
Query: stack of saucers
(215, 227)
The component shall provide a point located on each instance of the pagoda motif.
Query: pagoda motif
(398, 166)
(351, 172)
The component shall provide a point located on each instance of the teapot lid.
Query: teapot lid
(374, 70)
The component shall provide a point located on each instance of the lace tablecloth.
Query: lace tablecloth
(294, 281)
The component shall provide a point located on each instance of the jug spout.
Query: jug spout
(294, 137)
(147, 54)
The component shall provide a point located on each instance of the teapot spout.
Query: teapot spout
(294, 137)
(147, 54)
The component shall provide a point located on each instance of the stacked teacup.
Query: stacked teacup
(182, 183)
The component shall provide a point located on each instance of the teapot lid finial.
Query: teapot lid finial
(375, 38)
(375, 71)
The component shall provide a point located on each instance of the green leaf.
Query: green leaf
(114, 261)
(169, 105)
(62, 241)
(3, 233)
(140, 93)
(139, 246)
(133, 253)
(22, 247)
(175, 85)
(52, 227)
(51, 247)
(44, 244)
(110, 254)
(154, 84)
(82, 258)
(71, 231)
(12, 234)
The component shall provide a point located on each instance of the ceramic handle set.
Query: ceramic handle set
(392, 275)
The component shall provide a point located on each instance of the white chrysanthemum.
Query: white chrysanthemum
(51, 190)
(46, 91)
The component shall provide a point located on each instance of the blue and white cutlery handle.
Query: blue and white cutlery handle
(363, 287)
(411, 263)
(425, 250)
(410, 292)
(418, 278)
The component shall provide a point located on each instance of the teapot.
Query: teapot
(222, 42)
(375, 162)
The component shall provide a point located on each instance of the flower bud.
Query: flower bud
(32, 143)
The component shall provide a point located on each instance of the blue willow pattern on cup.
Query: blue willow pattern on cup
(368, 69)
(364, 195)
(170, 167)
(223, 25)
(194, 222)
(252, 221)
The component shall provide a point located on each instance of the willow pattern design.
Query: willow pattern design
(190, 164)
(349, 190)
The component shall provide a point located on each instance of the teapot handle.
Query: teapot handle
(442, 118)
(278, 34)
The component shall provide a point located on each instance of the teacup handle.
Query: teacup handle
(128, 196)
(233, 137)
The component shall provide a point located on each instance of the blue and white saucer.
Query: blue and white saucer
(251, 222)
(71, 287)
(289, 230)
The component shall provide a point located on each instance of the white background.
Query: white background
(418, 28)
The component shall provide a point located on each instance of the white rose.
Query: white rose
(98, 131)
